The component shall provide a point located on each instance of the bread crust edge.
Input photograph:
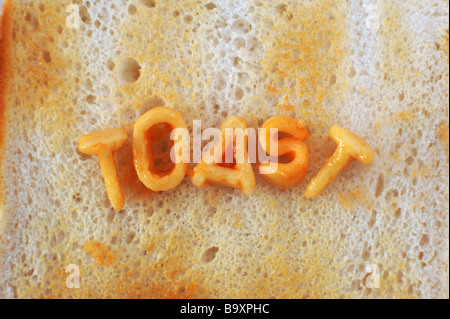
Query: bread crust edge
(5, 34)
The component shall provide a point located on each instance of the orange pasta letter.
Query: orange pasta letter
(157, 171)
(103, 144)
(229, 165)
(292, 149)
(349, 147)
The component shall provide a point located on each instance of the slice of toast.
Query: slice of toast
(378, 68)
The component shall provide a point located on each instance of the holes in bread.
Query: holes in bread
(132, 9)
(110, 65)
(209, 255)
(380, 185)
(236, 61)
(77, 198)
(420, 255)
(241, 26)
(424, 241)
(46, 56)
(129, 237)
(333, 79)
(253, 44)
(281, 9)
(188, 19)
(216, 109)
(373, 219)
(351, 72)
(110, 216)
(90, 99)
(84, 15)
(114, 240)
(149, 3)
(366, 252)
(210, 6)
(409, 161)
(159, 204)
(130, 71)
(32, 20)
(93, 121)
(149, 212)
(219, 83)
(239, 43)
(239, 94)
(211, 211)
(399, 276)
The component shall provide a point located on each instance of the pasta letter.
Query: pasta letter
(234, 173)
(103, 144)
(147, 131)
(292, 148)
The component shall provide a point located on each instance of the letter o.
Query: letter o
(143, 153)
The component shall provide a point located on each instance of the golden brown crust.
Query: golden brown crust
(5, 27)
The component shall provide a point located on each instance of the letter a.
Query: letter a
(238, 174)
